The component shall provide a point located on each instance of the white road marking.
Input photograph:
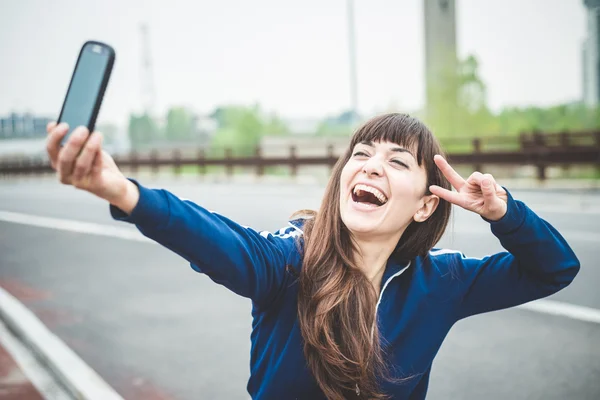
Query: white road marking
(542, 306)
(552, 307)
(32, 369)
(80, 380)
(73, 226)
(567, 209)
(591, 237)
(131, 234)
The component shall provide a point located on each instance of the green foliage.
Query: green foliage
(560, 118)
(275, 126)
(142, 130)
(241, 145)
(458, 108)
(241, 128)
(457, 102)
(180, 124)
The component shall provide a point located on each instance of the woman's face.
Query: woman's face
(382, 189)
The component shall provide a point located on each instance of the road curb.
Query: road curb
(81, 381)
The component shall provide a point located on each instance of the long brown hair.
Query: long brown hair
(336, 301)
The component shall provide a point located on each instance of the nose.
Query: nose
(373, 166)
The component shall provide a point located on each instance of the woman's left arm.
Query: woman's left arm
(538, 261)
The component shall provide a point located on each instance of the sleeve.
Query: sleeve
(249, 263)
(537, 263)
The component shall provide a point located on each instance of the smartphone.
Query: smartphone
(88, 84)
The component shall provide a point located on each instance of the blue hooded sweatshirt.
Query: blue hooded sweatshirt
(419, 301)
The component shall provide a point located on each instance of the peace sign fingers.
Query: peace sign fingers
(479, 193)
(455, 180)
(453, 177)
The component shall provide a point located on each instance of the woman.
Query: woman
(353, 300)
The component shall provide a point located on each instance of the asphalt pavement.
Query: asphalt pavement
(153, 328)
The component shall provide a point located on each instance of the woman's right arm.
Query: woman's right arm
(248, 262)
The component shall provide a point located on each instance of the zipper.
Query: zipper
(387, 282)
(381, 294)
(377, 306)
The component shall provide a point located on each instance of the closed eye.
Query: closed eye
(400, 163)
(360, 153)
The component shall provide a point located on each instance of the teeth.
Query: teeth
(370, 189)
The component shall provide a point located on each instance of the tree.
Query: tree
(275, 126)
(180, 124)
(458, 108)
(241, 128)
(558, 118)
(142, 130)
(457, 102)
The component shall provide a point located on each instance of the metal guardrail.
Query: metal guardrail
(536, 149)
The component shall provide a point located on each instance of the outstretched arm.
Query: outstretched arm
(248, 262)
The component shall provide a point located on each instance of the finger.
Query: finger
(475, 178)
(453, 177)
(70, 151)
(498, 188)
(53, 142)
(97, 163)
(50, 126)
(448, 195)
(488, 188)
(85, 160)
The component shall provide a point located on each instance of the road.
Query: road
(155, 329)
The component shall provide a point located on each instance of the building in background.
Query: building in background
(23, 126)
(440, 44)
(591, 50)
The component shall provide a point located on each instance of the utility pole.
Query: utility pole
(352, 54)
(591, 54)
(147, 75)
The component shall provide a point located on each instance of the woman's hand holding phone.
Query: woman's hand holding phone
(81, 162)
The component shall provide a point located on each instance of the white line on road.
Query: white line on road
(73, 226)
(572, 209)
(131, 234)
(572, 311)
(81, 380)
(32, 369)
(551, 307)
(577, 236)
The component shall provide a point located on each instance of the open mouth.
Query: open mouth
(368, 195)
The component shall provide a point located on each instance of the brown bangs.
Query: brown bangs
(400, 129)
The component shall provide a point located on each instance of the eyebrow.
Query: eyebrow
(394, 149)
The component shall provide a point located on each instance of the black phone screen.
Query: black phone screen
(82, 99)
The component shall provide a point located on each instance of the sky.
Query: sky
(291, 57)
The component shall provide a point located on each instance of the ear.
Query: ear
(428, 207)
